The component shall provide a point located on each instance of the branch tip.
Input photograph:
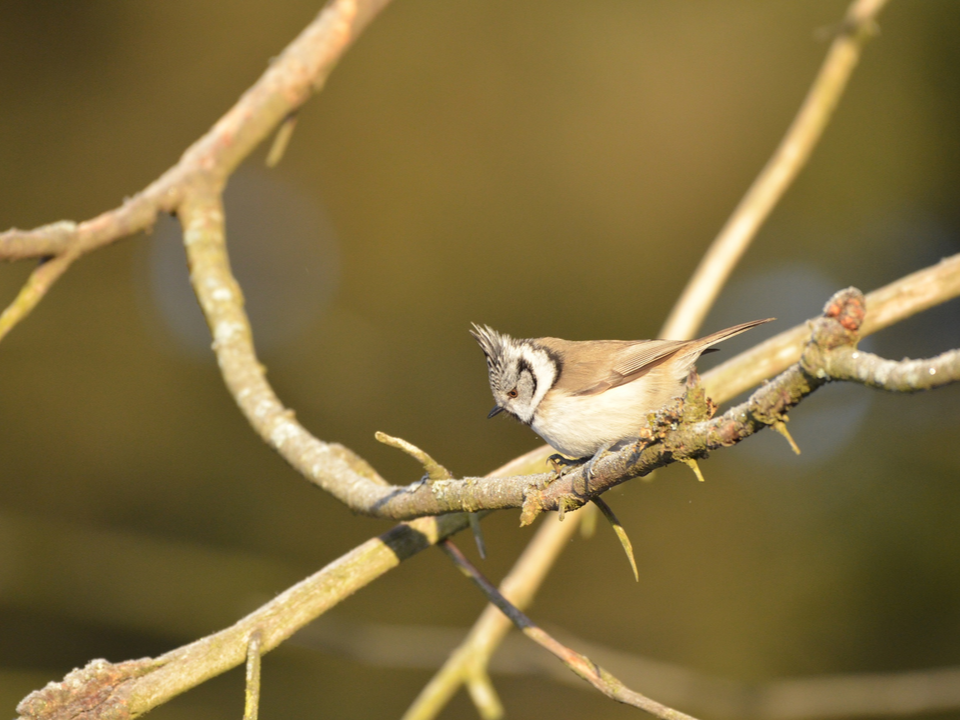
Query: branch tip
(435, 471)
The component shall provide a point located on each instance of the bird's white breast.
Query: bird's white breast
(579, 425)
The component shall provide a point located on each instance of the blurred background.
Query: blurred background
(549, 168)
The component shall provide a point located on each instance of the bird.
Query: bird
(585, 397)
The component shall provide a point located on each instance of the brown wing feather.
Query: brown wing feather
(605, 364)
(720, 335)
(585, 364)
(647, 352)
(644, 353)
(591, 367)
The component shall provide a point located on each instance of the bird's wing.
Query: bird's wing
(594, 367)
(640, 356)
(644, 355)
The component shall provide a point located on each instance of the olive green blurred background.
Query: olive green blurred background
(549, 168)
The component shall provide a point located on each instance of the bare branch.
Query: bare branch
(491, 627)
(601, 679)
(51, 239)
(905, 376)
(779, 173)
(887, 306)
(32, 292)
(157, 681)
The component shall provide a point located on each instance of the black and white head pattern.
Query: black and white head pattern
(521, 371)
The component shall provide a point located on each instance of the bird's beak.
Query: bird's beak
(496, 410)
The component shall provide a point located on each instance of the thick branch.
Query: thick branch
(131, 689)
(118, 691)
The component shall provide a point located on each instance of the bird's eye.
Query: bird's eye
(512, 393)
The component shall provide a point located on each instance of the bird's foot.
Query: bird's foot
(561, 463)
(588, 470)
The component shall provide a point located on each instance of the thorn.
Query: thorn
(693, 465)
(281, 140)
(621, 534)
(781, 427)
(477, 535)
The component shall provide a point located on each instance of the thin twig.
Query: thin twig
(601, 679)
(779, 173)
(32, 292)
(520, 585)
(434, 470)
